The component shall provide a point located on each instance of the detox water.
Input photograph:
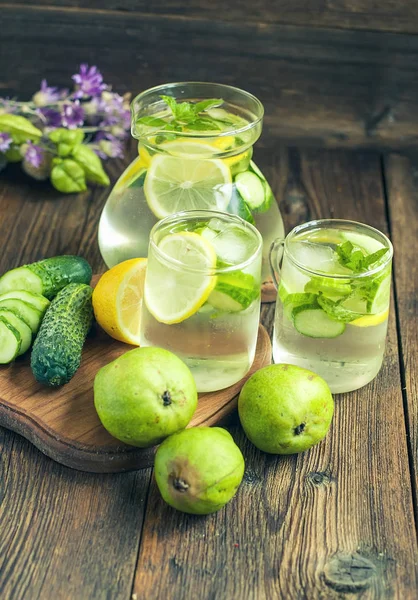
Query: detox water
(202, 295)
(333, 303)
(195, 153)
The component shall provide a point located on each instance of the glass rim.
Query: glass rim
(191, 214)
(204, 84)
(333, 224)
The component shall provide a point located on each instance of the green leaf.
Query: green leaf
(71, 137)
(207, 104)
(204, 124)
(376, 256)
(185, 112)
(19, 128)
(171, 103)
(91, 164)
(152, 122)
(68, 177)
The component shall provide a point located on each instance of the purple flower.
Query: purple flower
(89, 82)
(115, 112)
(48, 95)
(6, 106)
(34, 155)
(49, 117)
(5, 141)
(72, 115)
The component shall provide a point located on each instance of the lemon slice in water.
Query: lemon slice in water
(177, 183)
(175, 294)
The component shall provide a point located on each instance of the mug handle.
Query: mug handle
(275, 257)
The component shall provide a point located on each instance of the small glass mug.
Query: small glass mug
(333, 300)
(202, 294)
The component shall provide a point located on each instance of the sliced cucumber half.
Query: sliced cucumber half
(21, 326)
(237, 206)
(28, 312)
(234, 292)
(10, 342)
(21, 278)
(299, 299)
(315, 323)
(380, 296)
(332, 288)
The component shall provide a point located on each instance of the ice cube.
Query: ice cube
(233, 245)
(317, 257)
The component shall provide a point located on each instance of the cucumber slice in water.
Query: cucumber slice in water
(21, 326)
(36, 300)
(332, 288)
(380, 296)
(298, 299)
(237, 206)
(28, 312)
(10, 342)
(251, 189)
(314, 322)
(234, 292)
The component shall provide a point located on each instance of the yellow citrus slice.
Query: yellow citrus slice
(177, 183)
(117, 300)
(173, 294)
(370, 320)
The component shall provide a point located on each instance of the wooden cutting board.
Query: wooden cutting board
(63, 423)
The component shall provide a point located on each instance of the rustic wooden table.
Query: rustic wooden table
(335, 522)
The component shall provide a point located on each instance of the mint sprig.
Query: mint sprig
(186, 115)
(352, 258)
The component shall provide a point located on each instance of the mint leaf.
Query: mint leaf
(152, 122)
(372, 258)
(171, 103)
(207, 104)
(204, 124)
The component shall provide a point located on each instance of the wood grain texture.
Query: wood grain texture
(334, 521)
(402, 190)
(332, 87)
(383, 15)
(63, 422)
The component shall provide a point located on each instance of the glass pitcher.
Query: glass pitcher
(195, 149)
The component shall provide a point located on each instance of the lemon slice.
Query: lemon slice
(117, 300)
(370, 320)
(175, 294)
(176, 183)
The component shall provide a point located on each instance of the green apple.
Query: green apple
(144, 396)
(198, 470)
(285, 409)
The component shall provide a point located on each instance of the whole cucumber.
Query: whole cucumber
(56, 353)
(48, 276)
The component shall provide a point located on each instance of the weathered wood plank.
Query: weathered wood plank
(64, 534)
(373, 15)
(319, 86)
(299, 523)
(402, 190)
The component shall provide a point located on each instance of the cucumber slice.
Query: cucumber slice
(336, 311)
(380, 295)
(314, 322)
(10, 342)
(21, 278)
(36, 300)
(234, 292)
(238, 207)
(251, 189)
(256, 170)
(28, 312)
(298, 299)
(332, 288)
(21, 326)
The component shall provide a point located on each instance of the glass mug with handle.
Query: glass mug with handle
(202, 294)
(333, 300)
